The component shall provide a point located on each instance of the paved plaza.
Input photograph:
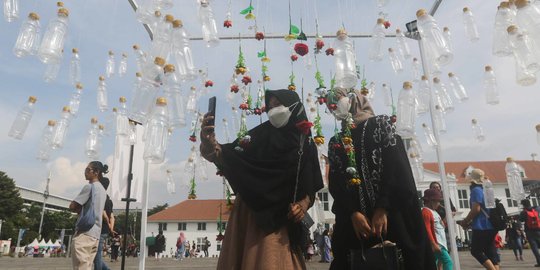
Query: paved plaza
(467, 262)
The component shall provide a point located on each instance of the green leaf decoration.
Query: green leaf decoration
(319, 79)
(294, 29)
(247, 10)
(301, 36)
(291, 78)
(264, 69)
(261, 54)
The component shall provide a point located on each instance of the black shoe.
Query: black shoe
(537, 265)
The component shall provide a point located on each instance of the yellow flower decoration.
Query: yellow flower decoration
(319, 140)
(266, 78)
(250, 16)
(292, 87)
(265, 59)
(290, 37)
(355, 181)
(346, 140)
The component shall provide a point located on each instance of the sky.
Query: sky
(95, 27)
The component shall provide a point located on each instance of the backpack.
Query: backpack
(497, 216)
(533, 221)
(87, 217)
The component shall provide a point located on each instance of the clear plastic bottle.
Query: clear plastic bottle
(457, 87)
(208, 22)
(442, 95)
(423, 96)
(406, 113)
(122, 67)
(430, 138)
(164, 4)
(514, 179)
(51, 70)
(490, 86)
(503, 19)
(416, 70)
(182, 52)
(524, 76)
(157, 133)
(397, 66)
(448, 37)
(175, 104)
(470, 25)
(417, 167)
(387, 94)
(522, 49)
(111, 65)
(161, 45)
(122, 121)
(433, 38)
(344, 61)
(477, 131)
(171, 186)
(537, 127)
(402, 45)
(44, 148)
(377, 38)
(132, 136)
(75, 67)
(489, 194)
(29, 37)
(92, 141)
(20, 124)
(382, 3)
(191, 105)
(145, 11)
(61, 128)
(75, 101)
(140, 57)
(54, 38)
(141, 105)
(11, 10)
(528, 20)
(102, 100)
(438, 116)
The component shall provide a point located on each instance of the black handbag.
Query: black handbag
(383, 256)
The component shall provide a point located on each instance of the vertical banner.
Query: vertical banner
(62, 235)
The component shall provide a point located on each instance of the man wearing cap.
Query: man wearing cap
(435, 227)
(529, 217)
(482, 244)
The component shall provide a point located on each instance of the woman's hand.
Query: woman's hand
(209, 144)
(361, 225)
(379, 222)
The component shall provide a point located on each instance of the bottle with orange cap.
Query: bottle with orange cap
(21, 122)
(457, 87)
(344, 61)
(145, 11)
(122, 121)
(181, 49)
(433, 39)
(441, 96)
(503, 19)
(162, 42)
(11, 10)
(75, 101)
(402, 45)
(430, 137)
(44, 149)
(157, 133)
(75, 67)
(406, 113)
(477, 130)
(438, 118)
(54, 38)
(522, 49)
(141, 104)
(29, 37)
(528, 20)
(140, 57)
(397, 66)
(208, 23)
(102, 100)
(470, 25)
(423, 96)
(92, 141)
(110, 65)
(175, 99)
(122, 67)
(377, 38)
(60, 129)
(491, 88)
(416, 70)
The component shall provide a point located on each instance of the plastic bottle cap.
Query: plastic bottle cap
(450, 74)
(101, 78)
(384, 85)
(33, 16)
(177, 23)
(111, 53)
(79, 86)
(169, 18)
(512, 29)
(398, 31)
(474, 121)
(32, 99)
(124, 55)
(437, 107)
(465, 9)
(407, 85)
(169, 68)
(424, 78)
(63, 12)
(122, 99)
(509, 159)
(66, 109)
(537, 128)
(157, 13)
(424, 125)
(101, 127)
(521, 3)
(193, 89)
(159, 61)
(413, 155)
(51, 123)
(135, 47)
(75, 50)
(161, 101)
(488, 68)
(93, 120)
(380, 21)
(420, 13)
(390, 50)
(138, 74)
(60, 4)
(504, 5)
(114, 109)
(436, 80)
(415, 59)
(341, 34)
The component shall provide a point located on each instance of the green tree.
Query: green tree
(158, 208)
(10, 211)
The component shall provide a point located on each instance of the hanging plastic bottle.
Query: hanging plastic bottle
(122, 67)
(387, 94)
(52, 44)
(122, 121)
(145, 11)
(75, 67)
(416, 70)
(406, 113)
(171, 186)
(182, 52)
(382, 3)
(157, 133)
(29, 37)
(344, 60)
(173, 93)
(192, 100)
(402, 45)
(11, 10)
(448, 37)
(226, 130)
(477, 131)
(111, 65)
(522, 49)
(141, 105)
(44, 149)
(102, 95)
(61, 128)
(442, 96)
(538, 133)
(489, 194)
(377, 38)
(208, 22)
(92, 141)
(433, 39)
(397, 66)
(438, 116)
(514, 179)
(132, 135)
(415, 147)
(75, 101)
(430, 138)
(524, 77)
(161, 45)
(20, 124)
(470, 25)
(417, 167)
(490, 86)
(457, 87)
(140, 57)
(423, 96)
(51, 71)
(164, 4)
(528, 20)
(503, 19)
(235, 119)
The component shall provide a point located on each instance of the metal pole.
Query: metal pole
(144, 217)
(45, 196)
(69, 247)
(127, 199)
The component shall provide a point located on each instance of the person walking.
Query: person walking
(107, 227)
(529, 216)
(435, 227)
(115, 247)
(160, 245)
(327, 248)
(180, 246)
(206, 244)
(91, 198)
(514, 238)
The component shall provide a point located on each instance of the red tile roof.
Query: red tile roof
(192, 210)
(494, 169)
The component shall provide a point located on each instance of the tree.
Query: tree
(10, 211)
(158, 208)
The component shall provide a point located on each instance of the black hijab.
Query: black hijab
(264, 173)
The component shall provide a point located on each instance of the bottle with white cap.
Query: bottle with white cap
(92, 141)
(441, 96)
(157, 133)
(20, 124)
(397, 66)
(490, 86)
(402, 45)
(44, 149)
(433, 38)
(52, 44)
(182, 52)
(377, 38)
(140, 57)
(61, 128)
(175, 104)
(111, 65)
(11, 10)
(470, 25)
(503, 19)
(208, 23)
(344, 61)
(29, 37)
(122, 67)
(430, 138)
(75, 67)
(141, 104)
(457, 87)
(102, 100)
(406, 113)
(122, 121)
(423, 96)
(477, 131)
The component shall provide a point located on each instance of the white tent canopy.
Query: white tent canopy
(49, 243)
(34, 243)
(56, 244)
(42, 243)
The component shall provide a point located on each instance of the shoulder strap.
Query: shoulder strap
(300, 153)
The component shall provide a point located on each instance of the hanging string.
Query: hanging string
(80, 33)
(341, 14)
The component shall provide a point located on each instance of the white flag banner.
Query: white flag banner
(119, 181)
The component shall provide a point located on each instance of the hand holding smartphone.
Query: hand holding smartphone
(211, 111)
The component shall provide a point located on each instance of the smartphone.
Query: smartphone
(212, 110)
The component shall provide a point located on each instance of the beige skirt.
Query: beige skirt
(247, 247)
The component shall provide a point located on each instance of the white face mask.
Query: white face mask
(279, 116)
(342, 108)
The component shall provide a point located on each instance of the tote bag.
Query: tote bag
(87, 219)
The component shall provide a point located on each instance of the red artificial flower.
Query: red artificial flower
(234, 88)
(263, 109)
(321, 100)
(227, 23)
(301, 49)
(330, 51)
(304, 126)
(393, 118)
(294, 57)
(244, 106)
(257, 111)
(246, 80)
(337, 146)
(209, 83)
(259, 36)
(319, 44)
(386, 24)
(332, 106)
(220, 237)
(193, 138)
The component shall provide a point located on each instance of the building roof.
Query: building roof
(193, 210)
(494, 169)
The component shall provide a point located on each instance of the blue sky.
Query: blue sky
(95, 27)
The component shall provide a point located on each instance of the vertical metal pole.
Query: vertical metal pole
(45, 196)
(144, 217)
(69, 247)
(442, 172)
(127, 200)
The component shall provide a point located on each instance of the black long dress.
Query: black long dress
(387, 182)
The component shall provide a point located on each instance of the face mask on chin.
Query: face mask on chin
(279, 116)
(342, 108)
